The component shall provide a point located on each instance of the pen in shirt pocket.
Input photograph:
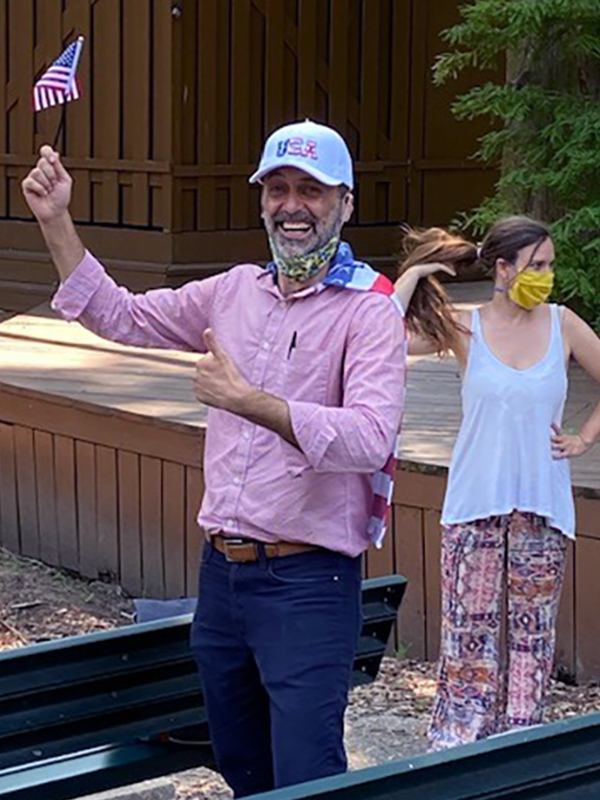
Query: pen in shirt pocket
(292, 344)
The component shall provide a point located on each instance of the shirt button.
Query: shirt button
(237, 480)
(282, 304)
(265, 345)
(246, 435)
(230, 523)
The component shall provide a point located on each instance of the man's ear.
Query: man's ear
(348, 206)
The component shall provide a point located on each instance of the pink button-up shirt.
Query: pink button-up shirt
(335, 355)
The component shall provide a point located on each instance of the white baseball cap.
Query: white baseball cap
(316, 149)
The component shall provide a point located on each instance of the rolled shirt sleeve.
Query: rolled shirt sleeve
(162, 318)
(360, 435)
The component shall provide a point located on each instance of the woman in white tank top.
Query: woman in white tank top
(509, 504)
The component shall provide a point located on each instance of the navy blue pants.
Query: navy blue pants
(274, 642)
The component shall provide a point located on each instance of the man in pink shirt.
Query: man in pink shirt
(303, 374)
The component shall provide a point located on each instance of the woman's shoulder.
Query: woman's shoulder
(464, 318)
(572, 325)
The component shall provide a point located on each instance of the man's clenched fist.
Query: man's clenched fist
(47, 188)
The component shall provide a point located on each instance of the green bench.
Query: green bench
(89, 713)
(558, 761)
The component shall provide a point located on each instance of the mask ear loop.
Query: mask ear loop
(504, 289)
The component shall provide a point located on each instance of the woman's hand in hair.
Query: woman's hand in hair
(565, 445)
(424, 270)
(407, 282)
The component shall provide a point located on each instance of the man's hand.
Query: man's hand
(218, 381)
(47, 188)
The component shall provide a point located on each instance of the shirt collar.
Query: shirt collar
(268, 279)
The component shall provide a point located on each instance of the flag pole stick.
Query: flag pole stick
(61, 125)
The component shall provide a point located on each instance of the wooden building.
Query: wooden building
(177, 98)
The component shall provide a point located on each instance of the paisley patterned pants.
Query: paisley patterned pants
(509, 566)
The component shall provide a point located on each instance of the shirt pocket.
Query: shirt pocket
(305, 375)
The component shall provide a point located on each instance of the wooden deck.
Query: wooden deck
(43, 354)
(40, 352)
(101, 473)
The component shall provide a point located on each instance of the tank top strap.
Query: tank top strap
(477, 342)
(475, 352)
(556, 336)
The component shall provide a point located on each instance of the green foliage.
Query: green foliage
(546, 124)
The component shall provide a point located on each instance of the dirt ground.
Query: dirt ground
(38, 603)
(386, 720)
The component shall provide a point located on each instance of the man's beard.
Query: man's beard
(304, 259)
(284, 248)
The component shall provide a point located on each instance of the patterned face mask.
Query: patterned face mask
(303, 268)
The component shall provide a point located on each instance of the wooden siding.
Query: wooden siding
(118, 146)
(77, 492)
(174, 110)
(363, 66)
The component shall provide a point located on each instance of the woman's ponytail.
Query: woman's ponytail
(429, 313)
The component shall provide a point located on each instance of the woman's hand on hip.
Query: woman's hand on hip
(567, 445)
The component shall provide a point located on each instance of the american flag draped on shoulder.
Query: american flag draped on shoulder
(347, 273)
(58, 84)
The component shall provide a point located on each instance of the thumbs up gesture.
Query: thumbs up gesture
(218, 381)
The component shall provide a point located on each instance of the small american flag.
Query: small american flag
(58, 85)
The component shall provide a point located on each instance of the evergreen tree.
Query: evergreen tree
(547, 124)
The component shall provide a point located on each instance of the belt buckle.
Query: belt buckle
(230, 546)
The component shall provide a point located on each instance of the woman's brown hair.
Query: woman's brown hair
(508, 236)
(429, 312)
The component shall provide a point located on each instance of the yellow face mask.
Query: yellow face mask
(530, 288)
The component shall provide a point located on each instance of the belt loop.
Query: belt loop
(262, 556)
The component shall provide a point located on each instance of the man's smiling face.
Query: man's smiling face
(300, 213)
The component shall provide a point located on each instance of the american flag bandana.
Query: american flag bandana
(347, 273)
(58, 84)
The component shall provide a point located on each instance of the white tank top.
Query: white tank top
(502, 459)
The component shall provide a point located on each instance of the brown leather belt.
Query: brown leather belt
(246, 550)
